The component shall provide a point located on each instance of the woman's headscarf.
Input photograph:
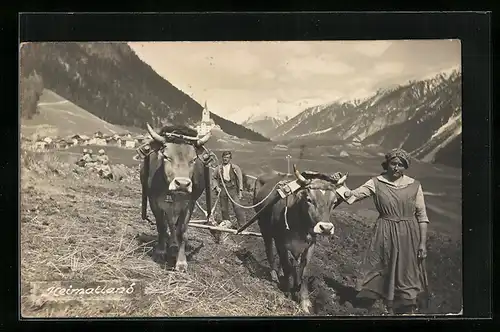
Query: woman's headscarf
(399, 153)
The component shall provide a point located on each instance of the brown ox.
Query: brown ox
(172, 177)
(307, 215)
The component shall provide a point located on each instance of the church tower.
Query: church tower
(206, 123)
(205, 117)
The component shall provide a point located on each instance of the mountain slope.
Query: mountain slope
(58, 117)
(263, 125)
(435, 124)
(422, 117)
(110, 81)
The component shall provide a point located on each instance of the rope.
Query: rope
(236, 203)
(286, 212)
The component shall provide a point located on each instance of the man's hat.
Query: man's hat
(226, 153)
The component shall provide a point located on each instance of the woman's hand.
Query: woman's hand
(422, 251)
(336, 176)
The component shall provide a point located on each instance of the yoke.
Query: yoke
(283, 189)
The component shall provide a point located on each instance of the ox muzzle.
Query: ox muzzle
(324, 228)
(181, 185)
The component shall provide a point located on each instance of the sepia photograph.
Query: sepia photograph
(241, 178)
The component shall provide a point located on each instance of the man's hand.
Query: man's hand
(217, 190)
(240, 194)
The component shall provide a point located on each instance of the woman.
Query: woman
(391, 266)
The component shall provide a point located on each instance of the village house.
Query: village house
(84, 140)
(140, 139)
(130, 143)
(112, 141)
(281, 147)
(344, 153)
(97, 141)
(40, 145)
(60, 144)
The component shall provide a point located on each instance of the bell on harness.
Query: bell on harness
(286, 189)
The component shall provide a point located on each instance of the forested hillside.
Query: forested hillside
(110, 81)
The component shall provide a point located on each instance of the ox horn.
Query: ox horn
(342, 179)
(204, 139)
(299, 176)
(157, 137)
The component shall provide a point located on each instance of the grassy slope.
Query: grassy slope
(76, 226)
(60, 117)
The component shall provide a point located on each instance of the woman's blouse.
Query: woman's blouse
(368, 189)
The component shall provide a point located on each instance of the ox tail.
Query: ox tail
(144, 181)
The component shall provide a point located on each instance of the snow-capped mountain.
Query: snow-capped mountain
(263, 124)
(423, 117)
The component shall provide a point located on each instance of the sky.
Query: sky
(241, 79)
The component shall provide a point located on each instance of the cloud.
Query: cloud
(316, 65)
(267, 74)
(389, 68)
(373, 48)
(298, 48)
(235, 62)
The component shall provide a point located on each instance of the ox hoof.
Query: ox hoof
(181, 266)
(159, 255)
(306, 306)
(274, 276)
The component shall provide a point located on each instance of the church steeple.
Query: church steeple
(206, 124)
(205, 117)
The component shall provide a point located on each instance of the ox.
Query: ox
(308, 213)
(172, 177)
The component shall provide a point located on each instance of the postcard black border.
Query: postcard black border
(473, 29)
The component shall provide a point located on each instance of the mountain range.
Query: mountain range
(263, 124)
(422, 117)
(110, 81)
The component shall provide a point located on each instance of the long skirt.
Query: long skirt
(390, 267)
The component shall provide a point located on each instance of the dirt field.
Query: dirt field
(77, 227)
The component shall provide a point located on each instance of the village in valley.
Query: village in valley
(123, 140)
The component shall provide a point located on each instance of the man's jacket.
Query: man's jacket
(235, 175)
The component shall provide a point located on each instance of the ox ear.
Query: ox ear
(342, 179)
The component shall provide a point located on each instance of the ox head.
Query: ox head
(178, 150)
(317, 199)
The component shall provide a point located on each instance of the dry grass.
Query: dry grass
(86, 229)
(78, 227)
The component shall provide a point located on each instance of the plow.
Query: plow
(281, 190)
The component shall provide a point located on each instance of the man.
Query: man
(233, 180)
